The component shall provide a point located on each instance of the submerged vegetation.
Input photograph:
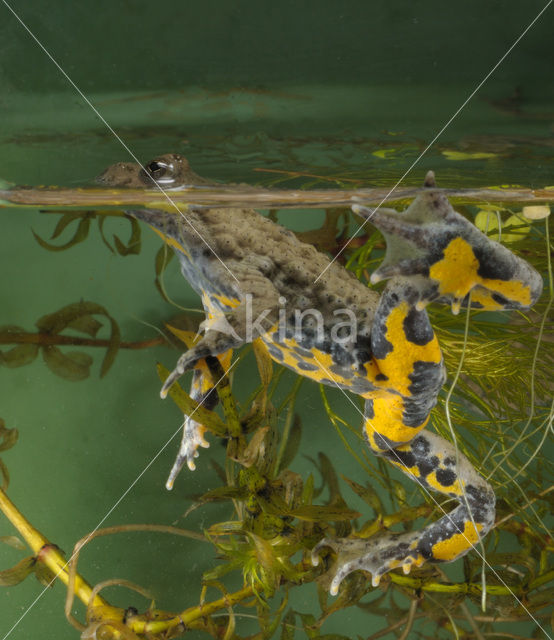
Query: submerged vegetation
(498, 407)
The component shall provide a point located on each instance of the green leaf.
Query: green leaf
(134, 244)
(113, 348)
(293, 443)
(18, 573)
(354, 587)
(65, 220)
(330, 476)
(163, 258)
(133, 247)
(78, 316)
(264, 363)
(288, 626)
(275, 505)
(66, 316)
(8, 437)
(452, 154)
(73, 366)
(85, 324)
(367, 494)
(13, 541)
(399, 491)
(18, 356)
(5, 475)
(79, 236)
(44, 574)
(324, 513)
(309, 623)
(308, 490)
(222, 493)
(101, 221)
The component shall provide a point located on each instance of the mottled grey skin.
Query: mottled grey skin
(280, 267)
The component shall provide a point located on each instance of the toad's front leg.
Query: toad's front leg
(203, 391)
(224, 332)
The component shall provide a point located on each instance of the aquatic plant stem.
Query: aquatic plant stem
(48, 339)
(189, 616)
(46, 552)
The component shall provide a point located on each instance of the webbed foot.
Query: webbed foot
(193, 438)
(450, 255)
(376, 555)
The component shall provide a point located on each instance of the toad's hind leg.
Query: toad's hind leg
(411, 374)
(435, 464)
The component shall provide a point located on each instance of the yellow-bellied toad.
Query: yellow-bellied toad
(257, 281)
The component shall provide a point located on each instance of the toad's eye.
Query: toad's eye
(156, 170)
(160, 172)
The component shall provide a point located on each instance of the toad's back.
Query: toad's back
(228, 253)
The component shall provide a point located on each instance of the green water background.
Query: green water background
(356, 89)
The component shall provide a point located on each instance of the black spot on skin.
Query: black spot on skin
(362, 356)
(427, 379)
(481, 499)
(446, 477)
(341, 371)
(421, 446)
(369, 412)
(406, 458)
(449, 461)
(306, 366)
(494, 265)
(441, 530)
(425, 467)
(381, 377)
(395, 552)
(342, 356)
(209, 399)
(380, 346)
(303, 352)
(360, 385)
(501, 300)
(417, 327)
(274, 352)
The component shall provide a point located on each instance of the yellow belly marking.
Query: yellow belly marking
(457, 544)
(457, 273)
(398, 364)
